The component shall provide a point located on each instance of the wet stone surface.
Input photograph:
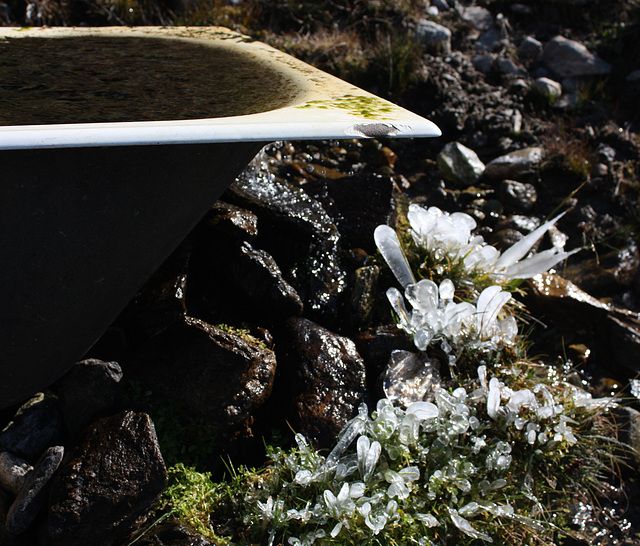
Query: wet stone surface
(308, 254)
(329, 382)
(231, 221)
(112, 478)
(356, 218)
(224, 376)
(515, 165)
(517, 195)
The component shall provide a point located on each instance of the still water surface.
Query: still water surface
(97, 79)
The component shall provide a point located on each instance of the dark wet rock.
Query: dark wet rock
(628, 421)
(362, 299)
(5, 503)
(505, 238)
(172, 534)
(471, 194)
(314, 171)
(330, 380)
(386, 157)
(606, 273)
(357, 218)
(113, 478)
(296, 230)
(460, 164)
(28, 538)
(33, 494)
(519, 222)
(623, 337)
(216, 241)
(493, 208)
(578, 353)
(161, 301)
(277, 202)
(13, 472)
(518, 195)
(570, 58)
(556, 237)
(553, 297)
(436, 37)
(256, 278)
(260, 276)
(515, 165)
(615, 332)
(35, 426)
(91, 389)
(605, 387)
(230, 221)
(220, 375)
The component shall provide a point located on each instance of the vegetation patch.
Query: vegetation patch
(473, 441)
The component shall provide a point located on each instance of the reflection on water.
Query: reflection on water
(98, 79)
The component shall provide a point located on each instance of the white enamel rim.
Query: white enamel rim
(287, 123)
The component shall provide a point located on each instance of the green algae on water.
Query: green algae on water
(367, 107)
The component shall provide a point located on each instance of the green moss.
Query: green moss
(191, 496)
(244, 333)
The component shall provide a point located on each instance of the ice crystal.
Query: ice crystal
(437, 231)
(435, 317)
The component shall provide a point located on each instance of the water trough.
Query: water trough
(114, 142)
